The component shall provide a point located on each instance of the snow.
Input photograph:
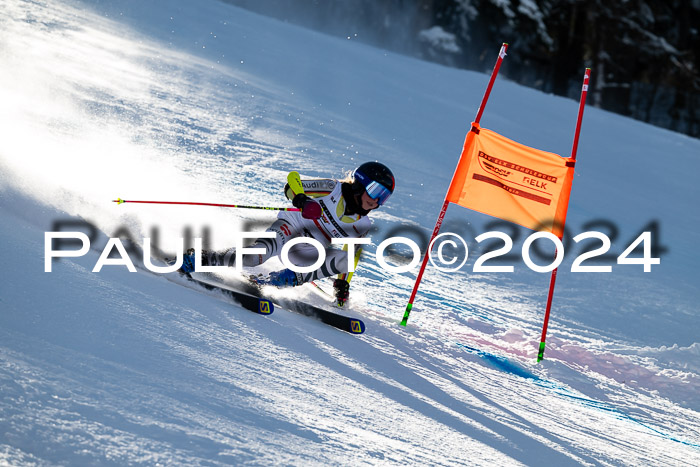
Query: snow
(206, 102)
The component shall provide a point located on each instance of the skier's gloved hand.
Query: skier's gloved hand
(342, 291)
(310, 209)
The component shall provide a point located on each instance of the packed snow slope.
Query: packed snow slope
(201, 101)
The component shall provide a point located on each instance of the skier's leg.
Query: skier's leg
(303, 255)
(283, 232)
(336, 262)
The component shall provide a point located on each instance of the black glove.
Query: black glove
(310, 209)
(342, 290)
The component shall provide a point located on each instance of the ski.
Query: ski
(251, 299)
(342, 322)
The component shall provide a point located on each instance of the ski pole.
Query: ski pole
(239, 206)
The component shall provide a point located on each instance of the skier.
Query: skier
(329, 209)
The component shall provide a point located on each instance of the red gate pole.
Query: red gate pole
(441, 216)
(574, 149)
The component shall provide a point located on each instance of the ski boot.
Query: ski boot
(283, 278)
(188, 261)
(342, 291)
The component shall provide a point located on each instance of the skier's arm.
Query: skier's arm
(310, 209)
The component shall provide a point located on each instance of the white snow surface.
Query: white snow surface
(201, 101)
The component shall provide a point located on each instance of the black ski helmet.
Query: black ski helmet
(376, 179)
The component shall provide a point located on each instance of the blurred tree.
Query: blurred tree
(644, 53)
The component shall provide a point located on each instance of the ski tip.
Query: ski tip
(266, 307)
(118, 201)
(357, 326)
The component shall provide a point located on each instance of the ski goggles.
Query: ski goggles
(378, 192)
